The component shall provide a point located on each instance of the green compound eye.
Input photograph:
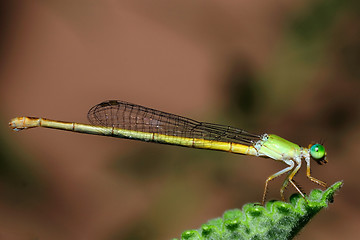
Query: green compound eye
(317, 151)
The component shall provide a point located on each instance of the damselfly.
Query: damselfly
(126, 120)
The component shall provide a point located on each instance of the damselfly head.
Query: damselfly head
(318, 153)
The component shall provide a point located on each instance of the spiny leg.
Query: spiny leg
(291, 166)
(297, 187)
(288, 179)
(308, 174)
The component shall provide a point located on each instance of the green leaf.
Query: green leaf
(277, 220)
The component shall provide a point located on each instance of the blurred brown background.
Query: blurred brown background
(265, 66)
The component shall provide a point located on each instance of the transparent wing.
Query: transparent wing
(124, 115)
